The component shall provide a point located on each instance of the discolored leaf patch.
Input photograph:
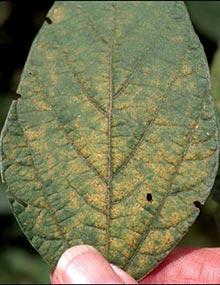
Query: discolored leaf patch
(114, 137)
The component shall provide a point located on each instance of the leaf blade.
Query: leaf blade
(85, 168)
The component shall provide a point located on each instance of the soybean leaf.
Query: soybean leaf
(215, 75)
(19, 267)
(114, 141)
(4, 205)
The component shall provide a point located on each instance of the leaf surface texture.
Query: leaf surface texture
(114, 137)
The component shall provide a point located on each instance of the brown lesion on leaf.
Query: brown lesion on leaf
(97, 200)
(175, 218)
(158, 241)
(168, 238)
(35, 134)
(194, 125)
(40, 104)
(186, 69)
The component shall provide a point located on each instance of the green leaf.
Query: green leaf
(4, 205)
(215, 75)
(206, 17)
(114, 137)
(19, 267)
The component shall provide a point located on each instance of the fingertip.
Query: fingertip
(187, 265)
(124, 275)
(84, 265)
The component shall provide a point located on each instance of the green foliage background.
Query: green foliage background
(19, 263)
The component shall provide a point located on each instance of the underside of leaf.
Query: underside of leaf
(114, 140)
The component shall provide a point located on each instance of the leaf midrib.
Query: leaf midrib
(109, 131)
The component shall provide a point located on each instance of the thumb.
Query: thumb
(83, 264)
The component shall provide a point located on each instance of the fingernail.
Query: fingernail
(84, 265)
(123, 275)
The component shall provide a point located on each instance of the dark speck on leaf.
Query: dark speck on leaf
(48, 20)
(149, 197)
(197, 204)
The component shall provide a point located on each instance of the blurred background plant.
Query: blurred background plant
(19, 23)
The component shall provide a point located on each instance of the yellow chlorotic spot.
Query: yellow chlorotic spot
(132, 239)
(79, 50)
(186, 69)
(175, 218)
(58, 15)
(178, 82)
(119, 246)
(34, 134)
(42, 106)
(98, 200)
(177, 39)
(74, 200)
